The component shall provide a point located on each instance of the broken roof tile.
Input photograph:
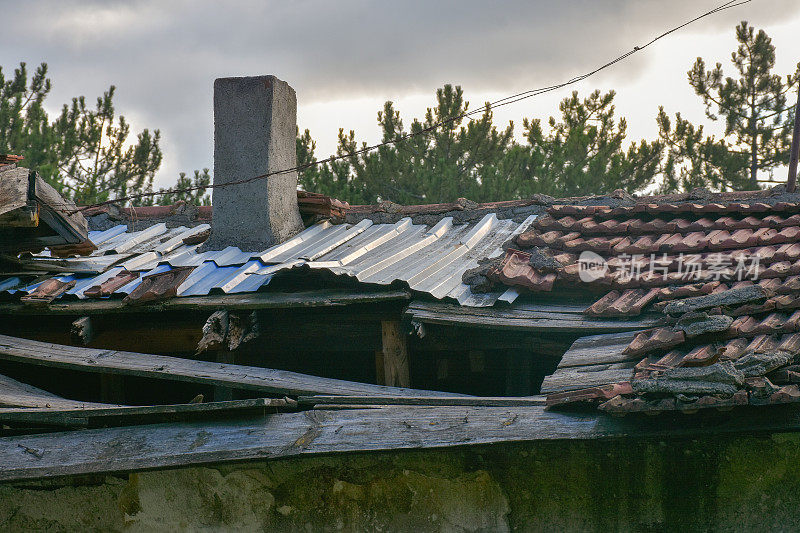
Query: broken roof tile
(47, 291)
(159, 286)
(657, 339)
(110, 285)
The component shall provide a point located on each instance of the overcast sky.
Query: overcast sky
(346, 57)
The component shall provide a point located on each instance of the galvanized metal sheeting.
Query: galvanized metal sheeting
(430, 259)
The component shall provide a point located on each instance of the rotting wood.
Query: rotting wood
(130, 449)
(214, 331)
(548, 318)
(599, 349)
(584, 378)
(14, 393)
(242, 328)
(395, 355)
(147, 414)
(264, 380)
(248, 301)
(82, 331)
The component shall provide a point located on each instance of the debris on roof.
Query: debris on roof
(319, 205)
(313, 208)
(429, 259)
(33, 215)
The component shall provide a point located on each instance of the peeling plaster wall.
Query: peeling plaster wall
(720, 484)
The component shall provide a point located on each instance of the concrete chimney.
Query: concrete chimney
(255, 121)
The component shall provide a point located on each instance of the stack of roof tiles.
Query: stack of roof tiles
(726, 276)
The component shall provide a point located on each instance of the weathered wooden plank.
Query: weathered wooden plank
(249, 301)
(136, 448)
(264, 380)
(14, 393)
(599, 349)
(14, 190)
(522, 319)
(485, 401)
(395, 355)
(126, 415)
(583, 378)
(60, 214)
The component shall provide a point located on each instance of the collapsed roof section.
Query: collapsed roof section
(725, 276)
(33, 215)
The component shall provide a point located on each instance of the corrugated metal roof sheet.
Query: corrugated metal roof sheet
(430, 259)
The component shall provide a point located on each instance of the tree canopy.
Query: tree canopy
(582, 151)
(90, 155)
(757, 121)
(86, 152)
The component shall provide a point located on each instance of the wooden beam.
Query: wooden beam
(264, 380)
(129, 449)
(14, 393)
(249, 301)
(551, 319)
(395, 355)
(222, 393)
(484, 401)
(147, 414)
(599, 349)
(593, 361)
(585, 377)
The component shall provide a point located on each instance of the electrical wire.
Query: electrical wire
(433, 127)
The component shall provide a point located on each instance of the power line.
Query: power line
(433, 127)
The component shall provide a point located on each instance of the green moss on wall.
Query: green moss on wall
(721, 484)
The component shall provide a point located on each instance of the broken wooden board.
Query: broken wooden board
(264, 380)
(90, 415)
(15, 194)
(542, 317)
(14, 393)
(599, 349)
(593, 361)
(130, 449)
(586, 377)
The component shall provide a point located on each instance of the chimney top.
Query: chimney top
(255, 125)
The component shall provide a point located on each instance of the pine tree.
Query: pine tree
(199, 196)
(85, 152)
(755, 112)
(583, 153)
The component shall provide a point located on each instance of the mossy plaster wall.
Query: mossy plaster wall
(721, 484)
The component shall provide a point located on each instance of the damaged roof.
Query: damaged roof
(716, 278)
(724, 274)
(430, 259)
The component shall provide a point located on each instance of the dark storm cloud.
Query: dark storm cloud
(163, 56)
